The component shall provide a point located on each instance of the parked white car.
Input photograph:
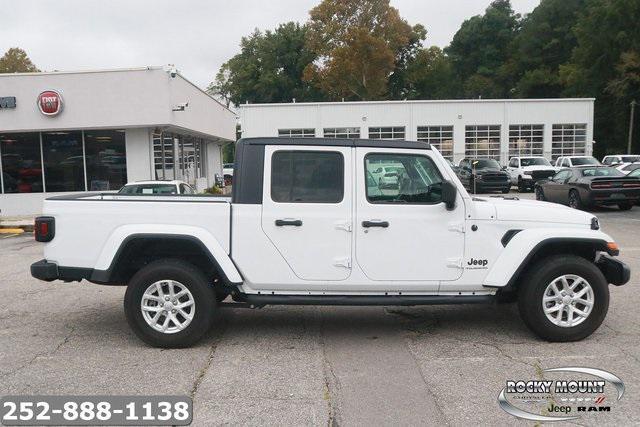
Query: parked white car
(618, 159)
(157, 187)
(526, 171)
(306, 227)
(576, 161)
(387, 175)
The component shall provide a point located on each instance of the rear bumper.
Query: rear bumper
(44, 270)
(49, 271)
(616, 272)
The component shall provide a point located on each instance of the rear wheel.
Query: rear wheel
(169, 303)
(564, 298)
(574, 200)
(540, 194)
(625, 206)
(505, 190)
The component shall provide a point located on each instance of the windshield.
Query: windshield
(584, 161)
(601, 172)
(485, 163)
(635, 173)
(534, 161)
(149, 189)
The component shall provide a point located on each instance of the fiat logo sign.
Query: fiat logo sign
(50, 103)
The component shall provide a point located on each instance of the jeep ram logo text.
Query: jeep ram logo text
(478, 262)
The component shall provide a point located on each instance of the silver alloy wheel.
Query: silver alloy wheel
(168, 306)
(568, 300)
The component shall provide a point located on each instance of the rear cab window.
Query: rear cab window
(307, 176)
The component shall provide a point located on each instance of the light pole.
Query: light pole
(633, 110)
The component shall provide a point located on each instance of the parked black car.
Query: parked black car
(483, 175)
(585, 187)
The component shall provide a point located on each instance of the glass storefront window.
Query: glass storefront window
(106, 158)
(63, 161)
(21, 162)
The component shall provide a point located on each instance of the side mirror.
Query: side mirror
(449, 195)
(504, 168)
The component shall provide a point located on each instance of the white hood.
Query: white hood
(532, 210)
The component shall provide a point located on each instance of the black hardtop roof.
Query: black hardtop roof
(337, 142)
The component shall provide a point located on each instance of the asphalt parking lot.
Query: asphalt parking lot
(308, 365)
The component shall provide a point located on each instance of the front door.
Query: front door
(306, 209)
(404, 232)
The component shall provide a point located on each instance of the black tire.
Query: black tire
(625, 206)
(187, 275)
(505, 190)
(540, 194)
(531, 292)
(574, 200)
(522, 188)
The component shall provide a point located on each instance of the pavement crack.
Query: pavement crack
(222, 327)
(330, 380)
(40, 354)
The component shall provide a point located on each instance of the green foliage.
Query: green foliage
(480, 51)
(545, 42)
(268, 68)
(15, 60)
(214, 190)
(605, 65)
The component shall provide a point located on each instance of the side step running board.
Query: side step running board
(357, 300)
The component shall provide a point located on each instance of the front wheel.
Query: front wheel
(522, 187)
(540, 194)
(625, 206)
(564, 298)
(169, 304)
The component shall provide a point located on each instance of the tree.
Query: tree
(545, 42)
(15, 60)
(358, 43)
(480, 51)
(604, 65)
(268, 68)
(428, 75)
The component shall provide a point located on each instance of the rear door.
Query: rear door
(405, 233)
(306, 209)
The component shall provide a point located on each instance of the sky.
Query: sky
(198, 36)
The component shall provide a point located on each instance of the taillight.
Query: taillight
(45, 228)
(631, 185)
(601, 185)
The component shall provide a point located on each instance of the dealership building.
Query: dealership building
(97, 130)
(498, 129)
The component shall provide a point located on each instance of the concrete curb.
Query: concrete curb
(23, 226)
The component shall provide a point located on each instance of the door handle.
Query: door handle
(288, 222)
(382, 224)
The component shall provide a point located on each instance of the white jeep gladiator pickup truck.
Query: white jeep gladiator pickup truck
(306, 225)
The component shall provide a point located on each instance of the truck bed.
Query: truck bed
(107, 218)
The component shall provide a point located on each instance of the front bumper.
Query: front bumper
(616, 272)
